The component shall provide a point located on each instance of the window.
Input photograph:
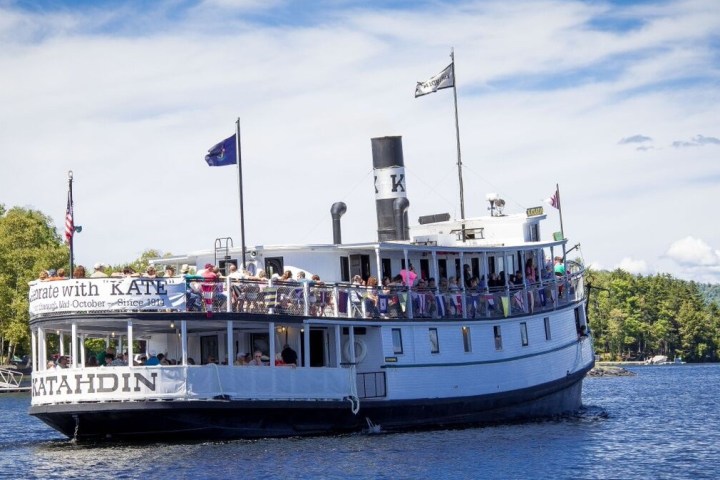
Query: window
(534, 232)
(467, 342)
(434, 344)
(344, 269)
(397, 341)
(386, 268)
(498, 337)
(274, 265)
(547, 328)
(523, 334)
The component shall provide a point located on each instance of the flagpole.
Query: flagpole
(457, 137)
(557, 189)
(240, 191)
(72, 213)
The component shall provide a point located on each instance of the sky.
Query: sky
(617, 102)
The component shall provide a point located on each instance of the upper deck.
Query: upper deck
(273, 298)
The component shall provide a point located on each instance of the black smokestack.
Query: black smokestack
(337, 210)
(389, 170)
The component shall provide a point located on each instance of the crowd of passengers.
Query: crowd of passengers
(108, 358)
(368, 297)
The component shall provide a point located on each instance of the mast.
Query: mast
(240, 191)
(70, 222)
(457, 137)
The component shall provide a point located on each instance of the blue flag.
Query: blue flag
(222, 154)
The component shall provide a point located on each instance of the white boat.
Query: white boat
(393, 358)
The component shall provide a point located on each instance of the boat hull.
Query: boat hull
(242, 419)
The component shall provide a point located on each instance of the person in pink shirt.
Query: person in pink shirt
(409, 276)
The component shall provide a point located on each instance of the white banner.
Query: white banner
(107, 294)
(190, 382)
(444, 79)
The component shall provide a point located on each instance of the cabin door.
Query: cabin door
(274, 265)
(360, 265)
(317, 347)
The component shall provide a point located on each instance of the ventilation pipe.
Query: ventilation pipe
(337, 210)
(400, 208)
(390, 193)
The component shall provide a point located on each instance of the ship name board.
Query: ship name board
(534, 211)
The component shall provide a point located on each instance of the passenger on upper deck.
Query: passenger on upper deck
(192, 294)
(300, 277)
(99, 271)
(129, 272)
(371, 297)
(234, 273)
(530, 271)
(150, 272)
(467, 275)
(208, 272)
(43, 275)
(559, 266)
(79, 272)
(169, 271)
(408, 276)
(286, 276)
(502, 282)
(425, 305)
(56, 275)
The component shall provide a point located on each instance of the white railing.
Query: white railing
(10, 378)
(81, 296)
(191, 383)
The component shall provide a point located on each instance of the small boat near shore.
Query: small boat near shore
(453, 342)
(663, 360)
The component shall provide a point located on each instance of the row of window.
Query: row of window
(467, 340)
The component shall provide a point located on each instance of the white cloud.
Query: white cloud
(634, 266)
(693, 252)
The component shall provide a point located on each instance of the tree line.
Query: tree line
(632, 316)
(29, 244)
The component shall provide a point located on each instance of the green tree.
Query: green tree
(29, 244)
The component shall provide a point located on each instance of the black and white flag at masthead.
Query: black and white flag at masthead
(444, 79)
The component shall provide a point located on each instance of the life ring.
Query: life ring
(360, 350)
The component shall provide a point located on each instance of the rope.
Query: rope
(217, 375)
(353, 398)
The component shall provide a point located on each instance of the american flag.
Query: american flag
(555, 200)
(69, 224)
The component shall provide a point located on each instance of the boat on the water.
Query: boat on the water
(473, 327)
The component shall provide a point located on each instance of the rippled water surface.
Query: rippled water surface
(662, 423)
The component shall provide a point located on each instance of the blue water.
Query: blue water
(662, 423)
